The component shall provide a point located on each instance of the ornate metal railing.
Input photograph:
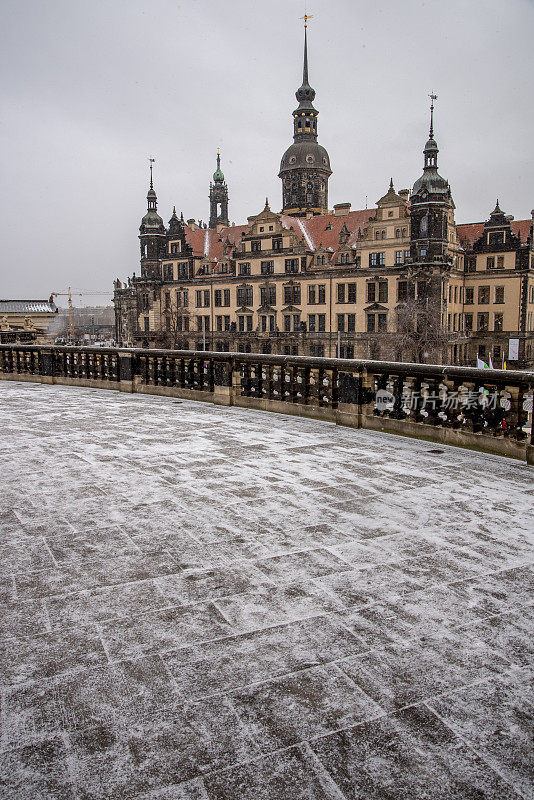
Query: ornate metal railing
(485, 409)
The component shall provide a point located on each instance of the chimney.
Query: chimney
(341, 209)
(192, 223)
(404, 193)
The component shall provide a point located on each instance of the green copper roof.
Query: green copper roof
(218, 176)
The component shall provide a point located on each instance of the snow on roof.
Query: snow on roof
(27, 307)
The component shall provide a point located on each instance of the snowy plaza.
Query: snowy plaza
(208, 603)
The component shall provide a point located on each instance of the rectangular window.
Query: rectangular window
(383, 292)
(241, 324)
(370, 323)
(377, 259)
(255, 245)
(483, 321)
(312, 295)
(498, 321)
(146, 323)
(219, 322)
(382, 322)
(398, 256)
(490, 262)
(341, 293)
(292, 295)
(244, 268)
(186, 323)
(296, 322)
(468, 322)
(263, 323)
(371, 292)
(471, 264)
(402, 291)
(271, 324)
(455, 294)
(217, 298)
(277, 244)
(500, 262)
(267, 267)
(249, 323)
(199, 323)
(167, 272)
(352, 292)
(311, 323)
(499, 294)
(287, 323)
(322, 294)
(341, 322)
(469, 295)
(351, 323)
(321, 322)
(206, 298)
(483, 295)
(175, 247)
(226, 297)
(199, 298)
(406, 255)
(292, 265)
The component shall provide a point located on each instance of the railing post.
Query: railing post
(126, 372)
(46, 365)
(223, 384)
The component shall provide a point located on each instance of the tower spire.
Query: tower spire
(151, 160)
(432, 98)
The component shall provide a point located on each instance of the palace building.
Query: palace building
(401, 281)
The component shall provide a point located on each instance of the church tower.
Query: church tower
(152, 235)
(305, 166)
(218, 197)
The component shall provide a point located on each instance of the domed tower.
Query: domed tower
(218, 197)
(305, 166)
(152, 235)
(431, 206)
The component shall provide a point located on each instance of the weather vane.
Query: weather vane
(306, 17)
(151, 160)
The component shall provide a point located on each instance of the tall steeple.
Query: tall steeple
(218, 197)
(305, 166)
(151, 233)
(431, 205)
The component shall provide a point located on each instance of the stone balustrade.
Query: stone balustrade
(489, 410)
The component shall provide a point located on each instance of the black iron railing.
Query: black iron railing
(413, 399)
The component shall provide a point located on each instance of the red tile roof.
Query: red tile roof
(323, 229)
(472, 231)
(210, 243)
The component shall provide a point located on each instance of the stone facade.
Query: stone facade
(400, 281)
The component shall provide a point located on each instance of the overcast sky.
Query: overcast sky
(91, 89)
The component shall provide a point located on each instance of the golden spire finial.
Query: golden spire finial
(218, 151)
(306, 17)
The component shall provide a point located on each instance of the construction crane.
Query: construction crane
(69, 293)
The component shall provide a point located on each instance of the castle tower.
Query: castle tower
(305, 166)
(152, 235)
(218, 197)
(431, 205)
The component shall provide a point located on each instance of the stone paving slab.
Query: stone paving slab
(202, 603)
